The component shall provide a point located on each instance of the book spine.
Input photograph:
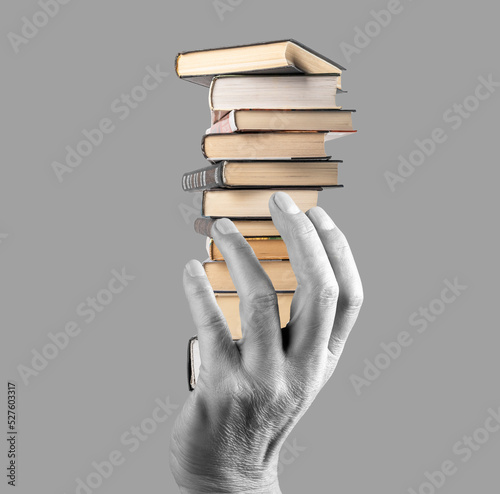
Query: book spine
(210, 93)
(226, 125)
(216, 115)
(176, 64)
(210, 248)
(203, 226)
(203, 147)
(193, 365)
(206, 178)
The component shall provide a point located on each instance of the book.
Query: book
(251, 120)
(194, 362)
(267, 145)
(273, 107)
(265, 248)
(273, 92)
(251, 203)
(230, 306)
(272, 57)
(228, 174)
(248, 228)
(280, 273)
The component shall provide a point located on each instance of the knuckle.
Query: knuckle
(281, 395)
(328, 294)
(301, 227)
(336, 345)
(262, 299)
(354, 300)
(211, 320)
(239, 246)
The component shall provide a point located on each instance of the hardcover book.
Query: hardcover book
(251, 120)
(265, 248)
(243, 174)
(230, 306)
(273, 92)
(280, 273)
(267, 145)
(248, 228)
(272, 57)
(251, 203)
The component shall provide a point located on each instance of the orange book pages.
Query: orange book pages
(248, 228)
(280, 273)
(230, 306)
(270, 248)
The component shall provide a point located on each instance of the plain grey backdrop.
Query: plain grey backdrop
(123, 207)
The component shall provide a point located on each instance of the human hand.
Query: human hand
(252, 392)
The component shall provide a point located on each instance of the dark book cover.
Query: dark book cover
(204, 178)
(204, 225)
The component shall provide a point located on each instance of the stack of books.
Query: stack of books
(273, 107)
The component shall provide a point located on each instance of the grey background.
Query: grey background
(120, 208)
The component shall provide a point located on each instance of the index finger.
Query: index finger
(259, 314)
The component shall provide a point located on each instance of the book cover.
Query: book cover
(290, 68)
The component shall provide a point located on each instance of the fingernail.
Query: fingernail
(285, 203)
(226, 226)
(321, 219)
(194, 268)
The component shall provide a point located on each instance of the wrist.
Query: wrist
(211, 473)
(270, 489)
(227, 482)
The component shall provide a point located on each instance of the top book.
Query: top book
(274, 57)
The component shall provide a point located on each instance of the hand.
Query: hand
(252, 392)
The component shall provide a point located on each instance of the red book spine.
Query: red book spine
(226, 125)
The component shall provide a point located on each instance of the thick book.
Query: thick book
(267, 145)
(251, 203)
(248, 228)
(251, 120)
(264, 248)
(273, 92)
(280, 273)
(272, 57)
(230, 307)
(242, 174)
